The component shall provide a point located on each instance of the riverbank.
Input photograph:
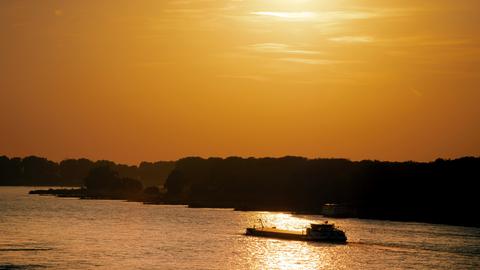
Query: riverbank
(85, 194)
(394, 213)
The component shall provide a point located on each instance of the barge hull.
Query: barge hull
(290, 235)
(271, 233)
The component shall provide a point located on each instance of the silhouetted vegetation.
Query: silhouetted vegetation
(103, 180)
(37, 171)
(441, 191)
(101, 183)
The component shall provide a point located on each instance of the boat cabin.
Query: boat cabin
(322, 226)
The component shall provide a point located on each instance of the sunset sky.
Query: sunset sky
(159, 80)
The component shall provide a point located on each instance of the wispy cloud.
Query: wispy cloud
(325, 17)
(304, 15)
(279, 48)
(308, 61)
(185, 10)
(346, 15)
(352, 39)
(281, 52)
(245, 77)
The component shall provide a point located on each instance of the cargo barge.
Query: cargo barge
(325, 232)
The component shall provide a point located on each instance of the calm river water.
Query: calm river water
(55, 233)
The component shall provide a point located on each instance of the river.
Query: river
(43, 232)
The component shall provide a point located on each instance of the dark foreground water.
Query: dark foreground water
(54, 233)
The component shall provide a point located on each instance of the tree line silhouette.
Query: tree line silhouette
(442, 191)
(39, 171)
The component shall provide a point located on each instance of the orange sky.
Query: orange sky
(159, 80)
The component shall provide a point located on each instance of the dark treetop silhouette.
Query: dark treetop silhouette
(37, 171)
(443, 191)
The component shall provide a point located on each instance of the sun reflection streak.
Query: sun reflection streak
(293, 255)
(283, 221)
(284, 254)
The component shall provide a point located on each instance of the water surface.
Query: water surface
(39, 232)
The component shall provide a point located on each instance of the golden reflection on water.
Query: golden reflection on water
(54, 233)
(290, 255)
(282, 221)
(285, 254)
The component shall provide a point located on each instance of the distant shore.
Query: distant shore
(440, 191)
(326, 210)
